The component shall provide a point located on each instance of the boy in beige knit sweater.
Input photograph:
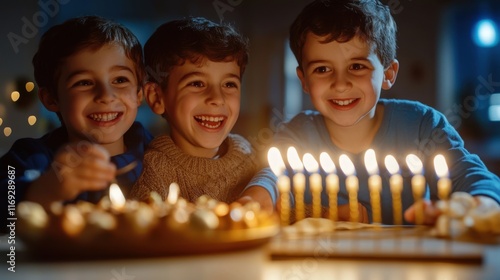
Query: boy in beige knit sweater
(195, 68)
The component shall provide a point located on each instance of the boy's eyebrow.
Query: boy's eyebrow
(114, 68)
(319, 61)
(197, 73)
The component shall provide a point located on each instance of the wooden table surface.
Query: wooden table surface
(271, 262)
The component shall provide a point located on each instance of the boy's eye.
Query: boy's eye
(321, 69)
(83, 83)
(196, 84)
(231, 85)
(357, 66)
(121, 80)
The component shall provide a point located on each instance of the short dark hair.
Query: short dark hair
(341, 20)
(192, 39)
(73, 35)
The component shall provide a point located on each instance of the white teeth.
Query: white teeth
(203, 119)
(103, 117)
(210, 119)
(343, 102)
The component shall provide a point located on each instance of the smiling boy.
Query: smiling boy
(89, 71)
(346, 54)
(199, 95)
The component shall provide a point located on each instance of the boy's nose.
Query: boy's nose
(341, 83)
(105, 94)
(215, 97)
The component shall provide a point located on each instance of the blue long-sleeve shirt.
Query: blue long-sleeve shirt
(407, 127)
(30, 157)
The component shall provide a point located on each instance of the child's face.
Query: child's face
(98, 94)
(202, 104)
(344, 80)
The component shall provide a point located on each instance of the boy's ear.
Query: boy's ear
(140, 96)
(390, 74)
(153, 96)
(302, 79)
(48, 99)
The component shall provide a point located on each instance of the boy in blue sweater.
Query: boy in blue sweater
(346, 53)
(89, 71)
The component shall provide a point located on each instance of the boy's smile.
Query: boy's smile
(201, 103)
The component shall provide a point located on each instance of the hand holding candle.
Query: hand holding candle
(299, 181)
(352, 186)
(374, 185)
(332, 184)
(278, 167)
(396, 185)
(417, 185)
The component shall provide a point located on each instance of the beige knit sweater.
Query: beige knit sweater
(223, 178)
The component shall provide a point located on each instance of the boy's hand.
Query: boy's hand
(75, 169)
(258, 194)
(431, 213)
(345, 215)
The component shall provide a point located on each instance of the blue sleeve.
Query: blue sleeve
(467, 172)
(267, 179)
(26, 160)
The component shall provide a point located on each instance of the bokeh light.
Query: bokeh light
(485, 33)
(7, 131)
(31, 120)
(15, 95)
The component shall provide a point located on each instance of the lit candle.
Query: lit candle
(312, 167)
(352, 186)
(417, 185)
(299, 181)
(396, 185)
(374, 185)
(278, 167)
(332, 184)
(116, 197)
(173, 193)
(444, 182)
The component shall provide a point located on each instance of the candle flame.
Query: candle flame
(391, 164)
(346, 165)
(327, 163)
(294, 159)
(173, 193)
(310, 163)
(441, 166)
(414, 164)
(275, 161)
(116, 196)
(1, 121)
(371, 162)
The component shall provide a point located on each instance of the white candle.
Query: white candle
(352, 186)
(417, 185)
(299, 182)
(374, 185)
(278, 167)
(444, 182)
(312, 167)
(396, 185)
(332, 184)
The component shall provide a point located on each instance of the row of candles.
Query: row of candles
(310, 164)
